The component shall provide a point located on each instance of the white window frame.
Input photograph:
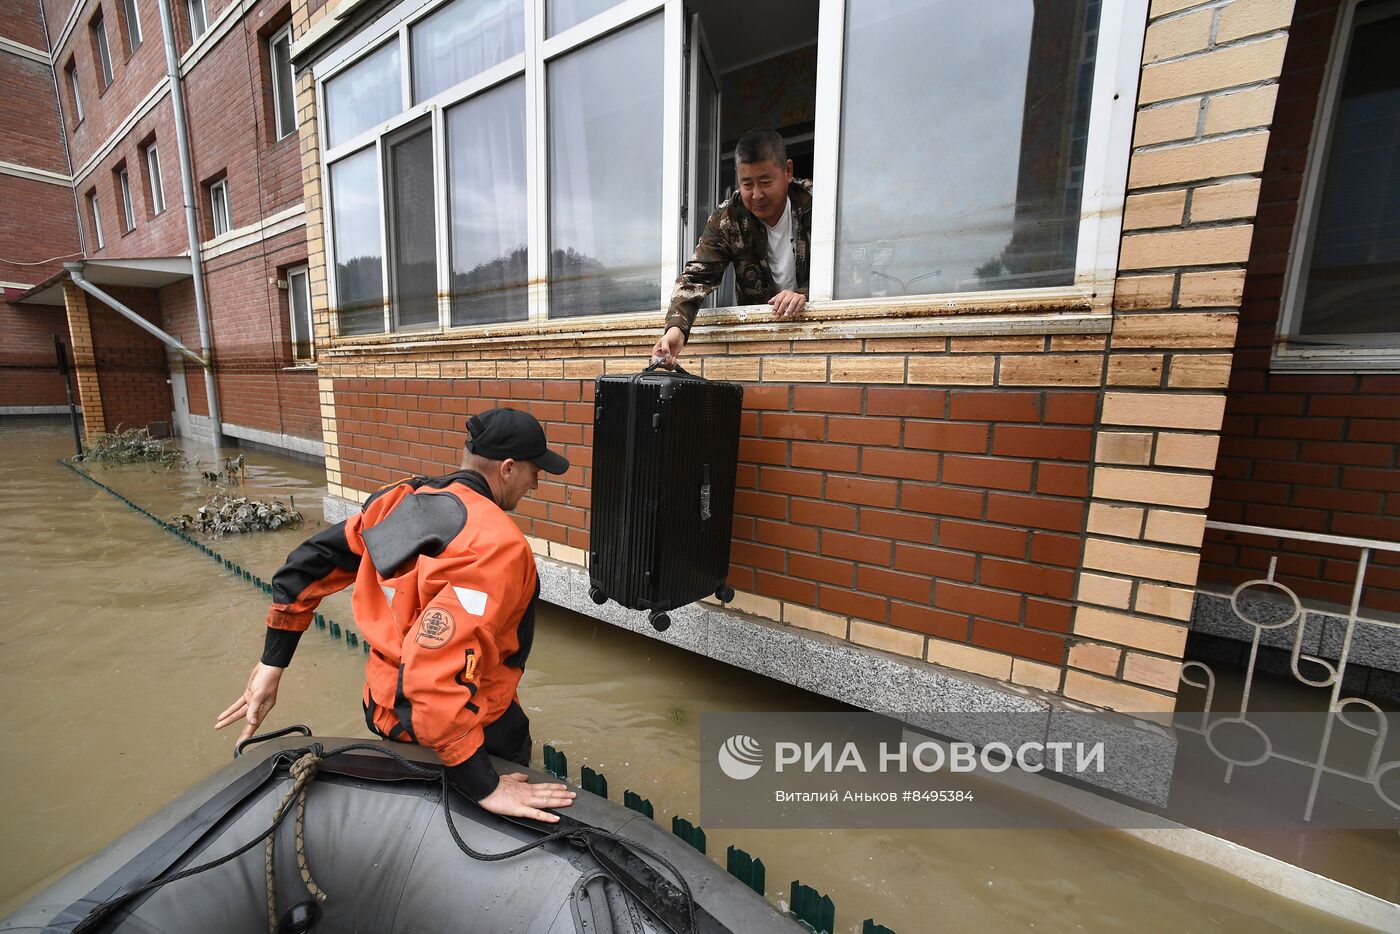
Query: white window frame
(72, 71)
(96, 219)
(202, 7)
(282, 132)
(1362, 354)
(128, 209)
(1122, 25)
(133, 24)
(304, 271)
(153, 177)
(104, 51)
(218, 197)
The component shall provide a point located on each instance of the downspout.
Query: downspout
(63, 130)
(182, 143)
(75, 272)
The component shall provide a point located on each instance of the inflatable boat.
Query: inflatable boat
(369, 837)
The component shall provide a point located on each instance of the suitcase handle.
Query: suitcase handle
(657, 361)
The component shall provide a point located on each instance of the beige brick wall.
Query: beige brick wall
(84, 361)
(1209, 82)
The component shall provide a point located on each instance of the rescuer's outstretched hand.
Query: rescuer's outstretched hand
(257, 701)
(515, 796)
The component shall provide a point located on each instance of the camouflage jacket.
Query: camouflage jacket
(733, 235)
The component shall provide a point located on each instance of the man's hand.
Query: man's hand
(257, 701)
(787, 304)
(669, 347)
(516, 797)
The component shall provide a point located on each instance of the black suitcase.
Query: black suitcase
(665, 456)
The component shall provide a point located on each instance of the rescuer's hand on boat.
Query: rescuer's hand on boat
(257, 701)
(515, 796)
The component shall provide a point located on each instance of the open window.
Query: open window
(557, 159)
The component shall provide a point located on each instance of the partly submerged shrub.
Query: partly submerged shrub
(134, 446)
(235, 515)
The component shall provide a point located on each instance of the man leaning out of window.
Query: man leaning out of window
(764, 230)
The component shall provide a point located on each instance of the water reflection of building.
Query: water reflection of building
(998, 496)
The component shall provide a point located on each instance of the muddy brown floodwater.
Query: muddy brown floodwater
(119, 645)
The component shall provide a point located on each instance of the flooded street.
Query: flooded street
(120, 644)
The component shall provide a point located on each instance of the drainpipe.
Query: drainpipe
(182, 143)
(75, 272)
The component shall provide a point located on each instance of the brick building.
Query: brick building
(980, 468)
(95, 155)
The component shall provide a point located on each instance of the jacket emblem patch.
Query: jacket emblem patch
(435, 628)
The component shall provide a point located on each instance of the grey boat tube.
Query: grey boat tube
(378, 844)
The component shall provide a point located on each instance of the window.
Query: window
(218, 207)
(199, 18)
(363, 95)
(359, 256)
(153, 178)
(132, 18)
(557, 158)
(71, 71)
(605, 174)
(1342, 305)
(488, 206)
(462, 39)
(96, 218)
(100, 50)
(284, 98)
(408, 171)
(124, 199)
(299, 311)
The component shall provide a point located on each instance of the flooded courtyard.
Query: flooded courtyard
(121, 644)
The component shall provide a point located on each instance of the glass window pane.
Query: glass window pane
(283, 89)
(412, 229)
(104, 56)
(462, 39)
(199, 18)
(486, 201)
(299, 298)
(359, 282)
(563, 14)
(968, 185)
(605, 175)
(157, 193)
(1353, 279)
(364, 94)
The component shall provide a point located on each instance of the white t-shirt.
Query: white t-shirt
(781, 259)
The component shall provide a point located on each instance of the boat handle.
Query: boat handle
(301, 728)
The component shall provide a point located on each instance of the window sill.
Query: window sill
(1041, 311)
(1335, 359)
(300, 368)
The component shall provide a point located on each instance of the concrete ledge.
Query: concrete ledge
(35, 409)
(1375, 643)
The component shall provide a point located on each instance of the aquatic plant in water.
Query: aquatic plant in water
(134, 446)
(236, 515)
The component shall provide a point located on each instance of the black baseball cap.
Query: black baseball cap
(502, 434)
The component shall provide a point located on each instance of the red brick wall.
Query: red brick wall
(28, 368)
(131, 366)
(30, 132)
(19, 20)
(1301, 452)
(952, 513)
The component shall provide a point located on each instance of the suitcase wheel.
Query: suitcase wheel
(724, 594)
(597, 596)
(660, 621)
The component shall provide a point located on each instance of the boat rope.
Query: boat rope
(303, 771)
(310, 759)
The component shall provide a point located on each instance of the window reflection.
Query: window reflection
(359, 274)
(462, 39)
(364, 94)
(968, 185)
(605, 175)
(564, 14)
(488, 211)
